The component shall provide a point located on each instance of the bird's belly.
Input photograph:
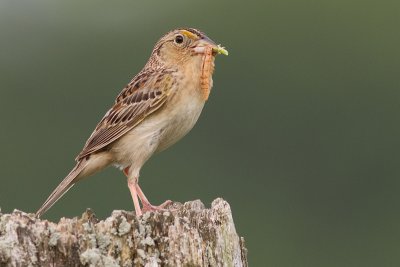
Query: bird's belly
(156, 133)
(181, 121)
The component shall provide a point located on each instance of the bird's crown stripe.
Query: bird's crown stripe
(189, 34)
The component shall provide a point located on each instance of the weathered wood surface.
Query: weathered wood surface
(188, 235)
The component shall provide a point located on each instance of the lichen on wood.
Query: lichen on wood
(186, 235)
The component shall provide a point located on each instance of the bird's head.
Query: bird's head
(182, 46)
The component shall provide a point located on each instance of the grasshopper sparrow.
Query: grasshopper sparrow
(157, 108)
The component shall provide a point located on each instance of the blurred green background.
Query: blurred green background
(300, 135)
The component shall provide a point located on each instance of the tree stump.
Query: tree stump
(186, 235)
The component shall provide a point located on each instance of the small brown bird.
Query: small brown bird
(157, 108)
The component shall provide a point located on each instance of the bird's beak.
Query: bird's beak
(201, 45)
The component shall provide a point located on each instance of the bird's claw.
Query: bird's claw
(148, 207)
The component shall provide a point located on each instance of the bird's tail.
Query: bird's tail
(62, 188)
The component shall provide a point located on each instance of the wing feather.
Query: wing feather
(144, 95)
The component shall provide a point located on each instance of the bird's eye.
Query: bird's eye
(179, 39)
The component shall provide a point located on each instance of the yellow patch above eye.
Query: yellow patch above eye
(189, 34)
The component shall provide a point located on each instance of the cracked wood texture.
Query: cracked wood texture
(187, 235)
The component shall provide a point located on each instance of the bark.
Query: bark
(187, 235)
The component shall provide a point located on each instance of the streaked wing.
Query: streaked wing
(145, 94)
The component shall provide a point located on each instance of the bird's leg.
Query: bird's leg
(132, 187)
(146, 204)
(136, 192)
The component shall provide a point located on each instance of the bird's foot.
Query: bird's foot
(148, 207)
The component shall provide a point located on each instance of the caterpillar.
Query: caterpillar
(207, 69)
